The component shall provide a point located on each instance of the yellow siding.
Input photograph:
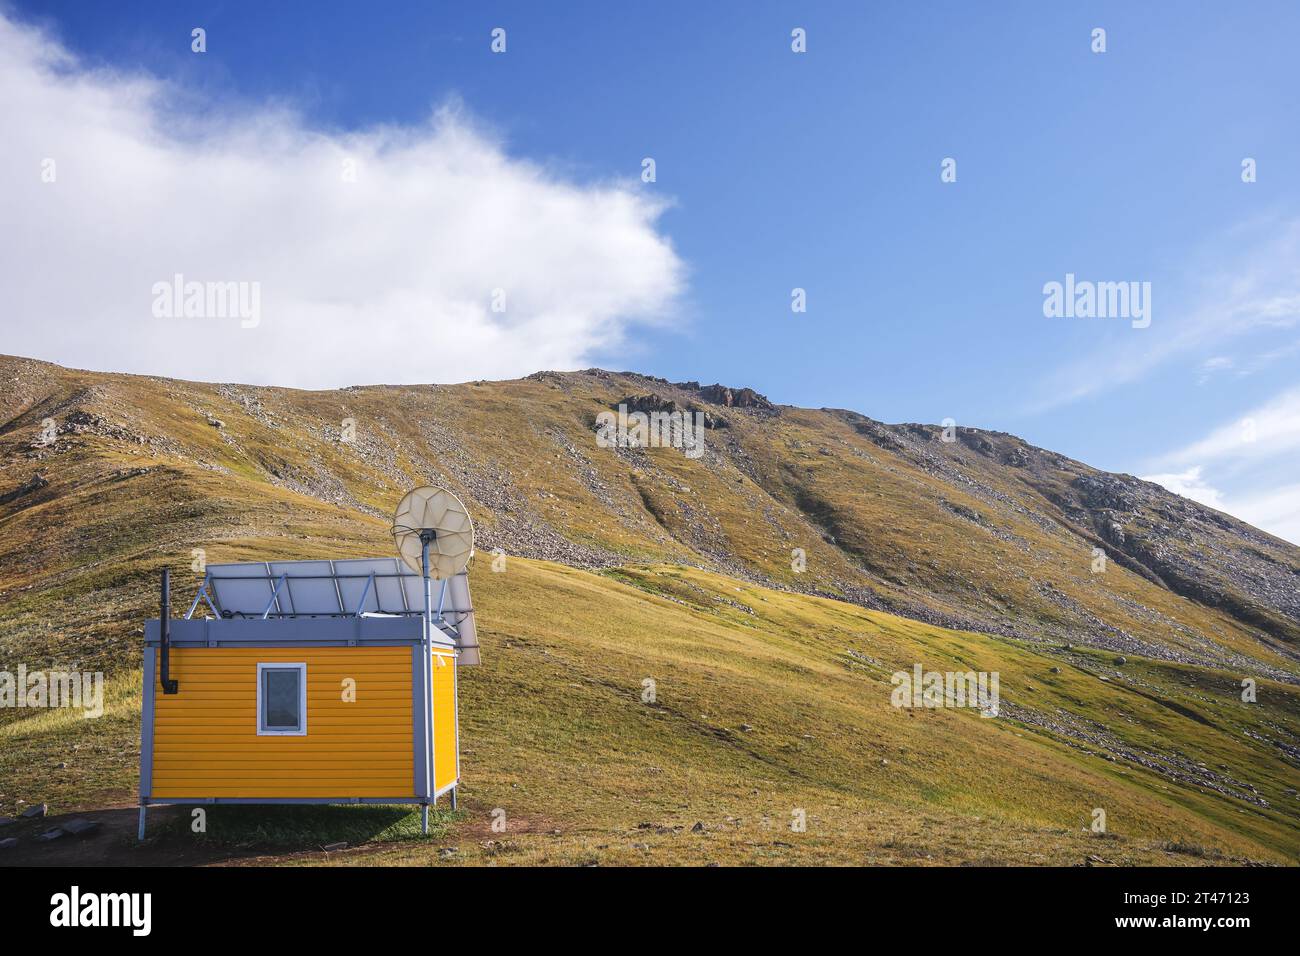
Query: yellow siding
(444, 721)
(206, 742)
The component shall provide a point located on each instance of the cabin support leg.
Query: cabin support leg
(140, 831)
(424, 818)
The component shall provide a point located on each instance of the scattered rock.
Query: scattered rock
(1056, 670)
(40, 810)
(8, 843)
(698, 828)
(649, 404)
(1121, 659)
(50, 836)
(80, 827)
(448, 851)
(5, 821)
(331, 847)
(731, 398)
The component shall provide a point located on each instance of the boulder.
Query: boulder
(80, 827)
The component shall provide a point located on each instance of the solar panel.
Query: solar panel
(242, 586)
(285, 589)
(301, 594)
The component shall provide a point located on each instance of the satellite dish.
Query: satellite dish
(437, 516)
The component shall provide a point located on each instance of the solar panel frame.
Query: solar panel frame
(228, 590)
(313, 595)
(340, 588)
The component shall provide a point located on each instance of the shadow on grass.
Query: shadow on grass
(288, 827)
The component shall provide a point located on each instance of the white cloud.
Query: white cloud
(1211, 366)
(1245, 467)
(1189, 484)
(1276, 510)
(1247, 283)
(386, 279)
(1267, 431)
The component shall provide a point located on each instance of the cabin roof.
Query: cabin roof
(381, 595)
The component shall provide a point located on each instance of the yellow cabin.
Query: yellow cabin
(303, 682)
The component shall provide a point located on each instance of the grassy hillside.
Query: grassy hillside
(770, 699)
(983, 532)
(768, 703)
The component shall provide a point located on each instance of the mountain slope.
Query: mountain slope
(985, 532)
(655, 565)
(767, 704)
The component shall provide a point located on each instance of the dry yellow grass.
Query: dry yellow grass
(767, 702)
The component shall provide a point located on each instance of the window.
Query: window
(282, 699)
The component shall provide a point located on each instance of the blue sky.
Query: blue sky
(821, 171)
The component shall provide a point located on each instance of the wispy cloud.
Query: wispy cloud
(1189, 484)
(1275, 510)
(1213, 366)
(387, 254)
(1224, 298)
(1267, 431)
(1234, 467)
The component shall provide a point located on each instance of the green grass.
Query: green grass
(556, 736)
(59, 757)
(303, 827)
(767, 702)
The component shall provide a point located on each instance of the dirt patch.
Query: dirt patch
(113, 842)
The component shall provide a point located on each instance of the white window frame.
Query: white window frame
(301, 730)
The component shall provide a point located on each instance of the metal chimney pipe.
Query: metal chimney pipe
(169, 686)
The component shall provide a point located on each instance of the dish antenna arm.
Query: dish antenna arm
(427, 537)
(426, 515)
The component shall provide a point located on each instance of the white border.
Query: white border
(302, 699)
